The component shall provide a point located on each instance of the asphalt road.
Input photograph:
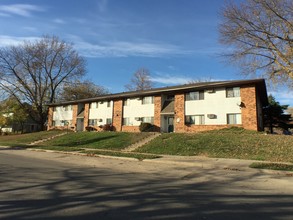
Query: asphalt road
(39, 185)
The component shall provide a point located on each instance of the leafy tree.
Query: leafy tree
(260, 33)
(81, 90)
(274, 114)
(13, 113)
(141, 80)
(33, 71)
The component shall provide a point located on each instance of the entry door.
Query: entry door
(79, 126)
(170, 124)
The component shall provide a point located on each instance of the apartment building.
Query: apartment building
(185, 108)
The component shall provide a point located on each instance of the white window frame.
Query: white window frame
(148, 100)
(234, 119)
(195, 119)
(232, 92)
(195, 95)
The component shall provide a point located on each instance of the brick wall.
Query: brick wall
(74, 115)
(50, 118)
(249, 111)
(117, 114)
(157, 113)
(86, 115)
(130, 128)
(179, 115)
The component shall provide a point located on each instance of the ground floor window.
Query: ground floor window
(109, 121)
(93, 122)
(233, 119)
(194, 119)
(126, 121)
(148, 120)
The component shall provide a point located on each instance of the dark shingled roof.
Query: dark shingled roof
(172, 89)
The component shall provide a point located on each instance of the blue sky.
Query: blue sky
(177, 40)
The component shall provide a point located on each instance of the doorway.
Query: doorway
(170, 124)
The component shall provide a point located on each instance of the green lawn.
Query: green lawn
(226, 143)
(24, 139)
(96, 140)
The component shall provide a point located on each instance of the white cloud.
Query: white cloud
(102, 5)
(25, 10)
(125, 49)
(170, 79)
(9, 41)
(284, 96)
(59, 21)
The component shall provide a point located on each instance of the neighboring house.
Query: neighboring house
(186, 108)
(27, 126)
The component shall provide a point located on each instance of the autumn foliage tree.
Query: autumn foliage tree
(141, 80)
(34, 71)
(81, 90)
(260, 33)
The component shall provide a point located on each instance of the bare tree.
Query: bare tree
(33, 72)
(81, 90)
(140, 81)
(261, 35)
(200, 80)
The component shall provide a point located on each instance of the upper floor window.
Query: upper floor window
(233, 92)
(148, 100)
(198, 95)
(67, 107)
(194, 119)
(126, 102)
(108, 104)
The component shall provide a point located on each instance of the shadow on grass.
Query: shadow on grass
(88, 141)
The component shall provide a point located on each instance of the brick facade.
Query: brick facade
(50, 118)
(252, 98)
(117, 114)
(179, 113)
(249, 110)
(157, 113)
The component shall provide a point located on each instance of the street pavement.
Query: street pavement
(50, 185)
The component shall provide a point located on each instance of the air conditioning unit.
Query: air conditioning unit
(212, 116)
(100, 120)
(210, 91)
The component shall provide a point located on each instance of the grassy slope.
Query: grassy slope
(226, 143)
(97, 140)
(23, 139)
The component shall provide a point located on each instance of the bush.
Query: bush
(107, 127)
(146, 127)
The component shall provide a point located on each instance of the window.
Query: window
(93, 122)
(108, 104)
(148, 120)
(194, 119)
(109, 121)
(198, 95)
(67, 107)
(233, 92)
(126, 121)
(54, 109)
(148, 100)
(234, 119)
(126, 102)
(94, 105)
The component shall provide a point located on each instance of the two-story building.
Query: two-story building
(185, 108)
